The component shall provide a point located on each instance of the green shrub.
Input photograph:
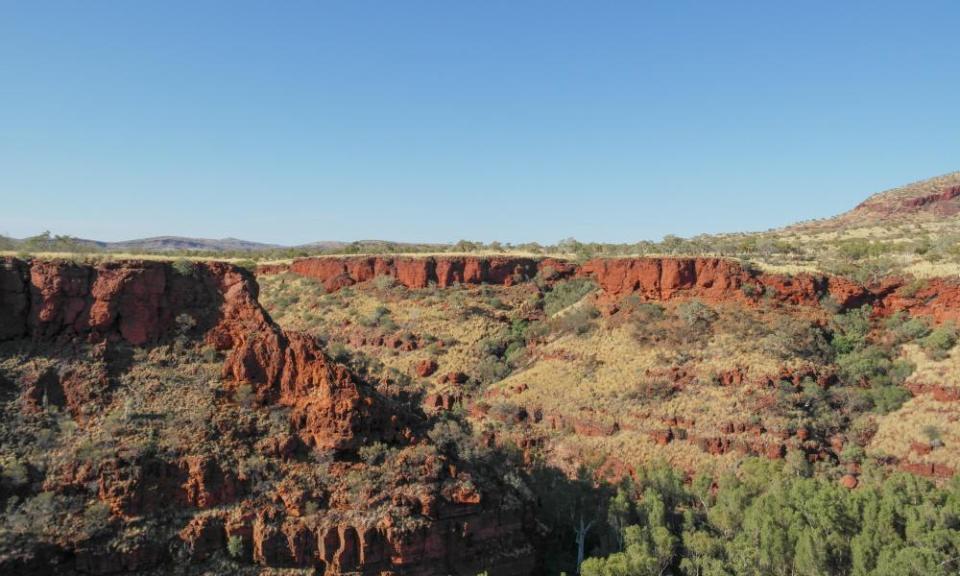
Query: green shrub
(871, 366)
(652, 390)
(96, 518)
(566, 294)
(932, 433)
(244, 394)
(696, 314)
(642, 311)
(886, 399)
(796, 338)
(379, 317)
(907, 329)
(492, 369)
(384, 282)
(185, 323)
(850, 329)
(453, 438)
(338, 353)
(853, 453)
(183, 267)
(14, 474)
(910, 290)
(940, 341)
(375, 454)
(235, 546)
(578, 321)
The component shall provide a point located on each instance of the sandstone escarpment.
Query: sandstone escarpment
(416, 272)
(653, 279)
(717, 280)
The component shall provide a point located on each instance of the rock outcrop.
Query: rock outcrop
(135, 301)
(458, 540)
(936, 298)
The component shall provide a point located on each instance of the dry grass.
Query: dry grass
(925, 269)
(604, 377)
(944, 372)
(114, 256)
(601, 379)
(898, 430)
(459, 318)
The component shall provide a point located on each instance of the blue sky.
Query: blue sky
(510, 120)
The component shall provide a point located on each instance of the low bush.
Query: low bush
(565, 294)
(850, 329)
(872, 366)
(932, 433)
(235, 546)
(907, 329)
(793, 338)
(246, 264)
(938, 343)
(696, 314)
(183, 267)
(380, 317)
(579, 321)
(492, 369)
(384, 282)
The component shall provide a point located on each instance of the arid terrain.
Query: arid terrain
(784, 402)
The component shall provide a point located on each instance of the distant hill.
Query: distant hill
(47, 242)
(927, 201)
(179, 243)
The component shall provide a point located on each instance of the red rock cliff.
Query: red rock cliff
(650, 278)
(135, 301)
(420, 272)
(654, 279)
(716, 280)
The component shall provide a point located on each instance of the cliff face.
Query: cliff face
(654, 279)
(415, 272)
(135, 301)
(143, 303)
(718, 280)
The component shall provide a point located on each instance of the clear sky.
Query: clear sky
(507, 120)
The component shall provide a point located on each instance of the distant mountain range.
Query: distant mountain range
(933, 201)
(164, 244)
(177, 243)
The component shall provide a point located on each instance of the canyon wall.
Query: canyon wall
(421, 272)
(135, 301)
(146, 302)
(651, 279)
